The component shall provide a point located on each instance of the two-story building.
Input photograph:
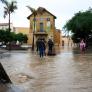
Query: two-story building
(44, 26)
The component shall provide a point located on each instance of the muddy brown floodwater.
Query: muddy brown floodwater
(68, 71)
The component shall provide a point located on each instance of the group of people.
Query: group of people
(41, 45)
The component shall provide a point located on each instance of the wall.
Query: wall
(57, 37)
(24, 30)
(43, 18)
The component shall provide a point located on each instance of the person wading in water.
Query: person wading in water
(82, 46)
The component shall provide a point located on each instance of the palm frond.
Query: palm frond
(13, 6)
(31, 9)
(10, 6)
(2, 1)
(5, 8)
(6, 3)
(5, 13)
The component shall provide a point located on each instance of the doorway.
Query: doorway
(41, 27)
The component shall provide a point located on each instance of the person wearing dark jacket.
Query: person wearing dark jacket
(50, 46)
(41, 47)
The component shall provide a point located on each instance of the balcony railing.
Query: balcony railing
(40, 33)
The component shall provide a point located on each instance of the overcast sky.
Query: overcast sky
(62, 9)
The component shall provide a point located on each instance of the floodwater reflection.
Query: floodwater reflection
(65, 72)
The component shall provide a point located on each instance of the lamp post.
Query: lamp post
(34, 14)
(34, 20)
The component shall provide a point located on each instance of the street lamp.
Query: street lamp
(34, 20)
(33, 33)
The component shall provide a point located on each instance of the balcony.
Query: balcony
(40, 33)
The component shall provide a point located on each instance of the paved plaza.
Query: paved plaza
(68, 71)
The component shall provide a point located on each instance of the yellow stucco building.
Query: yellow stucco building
(24, 30)
(44, 22)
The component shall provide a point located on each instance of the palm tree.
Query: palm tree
(40, 10)
(34, 14)
(9, 8)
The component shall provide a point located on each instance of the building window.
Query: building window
(48, 19)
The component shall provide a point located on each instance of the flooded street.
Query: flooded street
(68, 71)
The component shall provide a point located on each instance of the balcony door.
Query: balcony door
(41, 27)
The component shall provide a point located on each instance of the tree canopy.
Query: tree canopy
(80, 25)
(7, 36)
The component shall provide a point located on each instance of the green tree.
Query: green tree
(5, 36)
(80, 25)
(13, 36)
(9, 8)
(25, 38)
(2, 32)
(19, 37)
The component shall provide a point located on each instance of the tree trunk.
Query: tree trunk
(9, 32)
(9, 22)
(33, 34)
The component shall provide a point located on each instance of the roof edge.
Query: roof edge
(46, 11)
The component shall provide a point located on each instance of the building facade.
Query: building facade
(67, 41)
(5, 26)
(23, 30)
(58, 37)
(43, 26)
